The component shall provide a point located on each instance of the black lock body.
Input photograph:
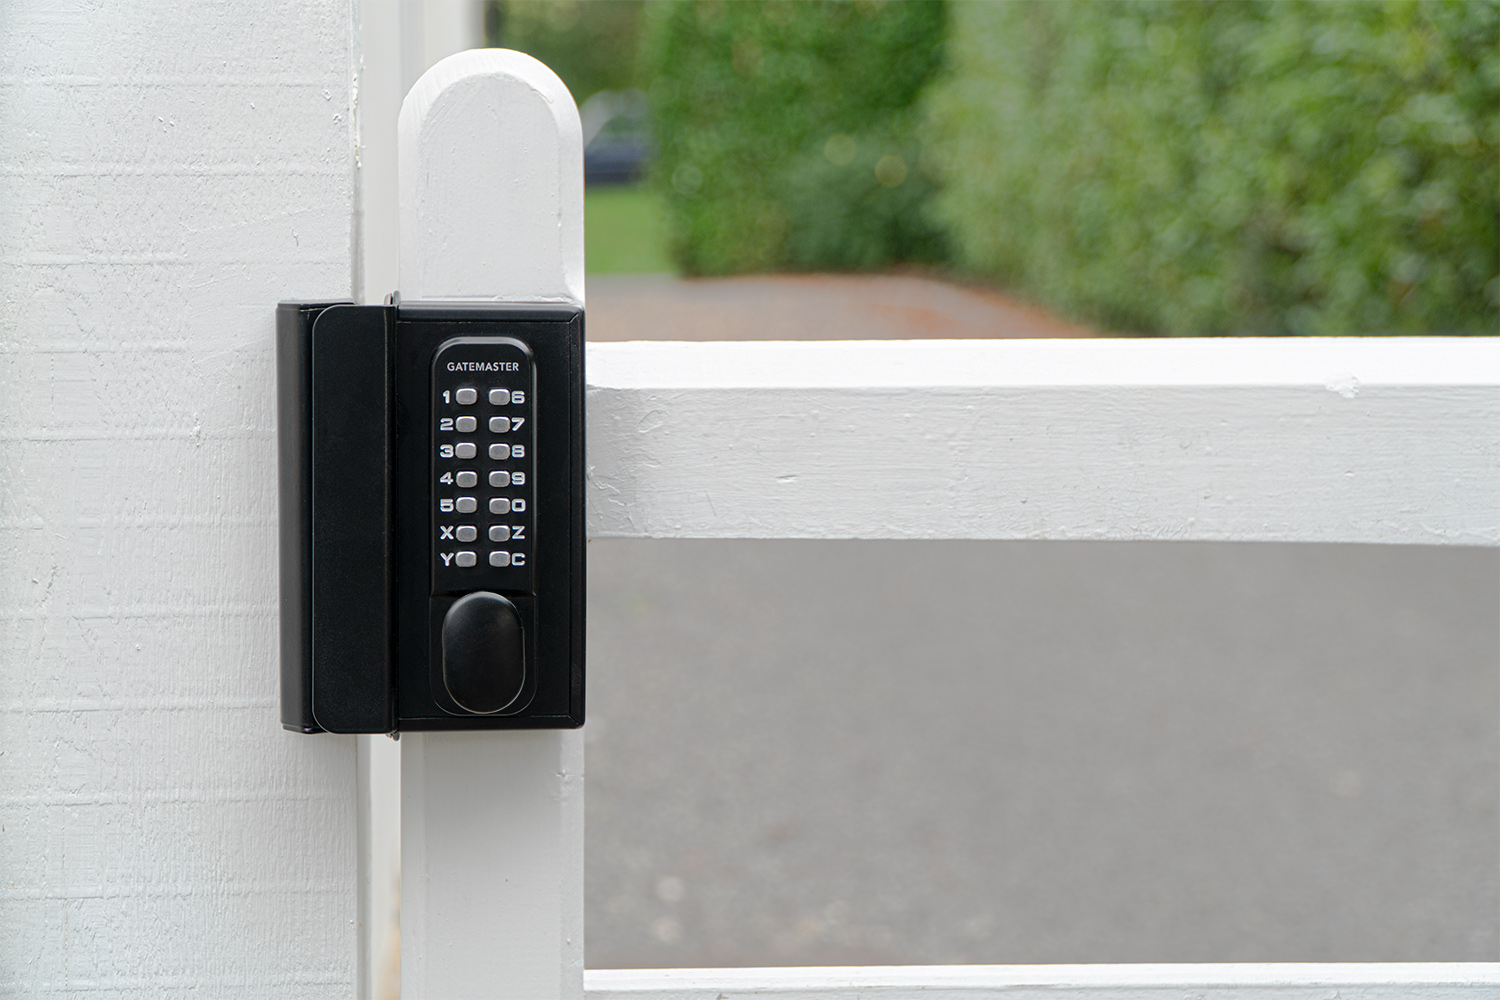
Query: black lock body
(432, 546)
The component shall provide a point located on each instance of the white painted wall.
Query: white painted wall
(168, 170)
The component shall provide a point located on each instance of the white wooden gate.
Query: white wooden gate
(1391, 440)
(172, 171)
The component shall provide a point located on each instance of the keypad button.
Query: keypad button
(498, 532)
(465, 449)
(467, 397)
(467, 532)
(466, 425)
(499, 397)
(465, 559)
(499, 558)
(499, 505)
(466, 505)
(467, 479)
(499, 425)
(499, 452)
(499, 477)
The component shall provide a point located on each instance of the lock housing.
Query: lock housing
(430, 459)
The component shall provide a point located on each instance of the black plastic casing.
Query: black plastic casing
(361, 615)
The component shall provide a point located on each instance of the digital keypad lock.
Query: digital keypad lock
(431, 485)
(482, 464)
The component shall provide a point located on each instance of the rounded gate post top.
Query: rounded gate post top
(490, 175)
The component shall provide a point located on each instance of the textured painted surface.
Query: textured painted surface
(491, 194)
(491, 182)
(1455, 981)
(1338, 440)
(167, 172)
(492, 850)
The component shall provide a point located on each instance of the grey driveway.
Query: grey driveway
(900, 752)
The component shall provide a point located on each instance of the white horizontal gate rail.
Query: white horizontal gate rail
(1306, 440)
(1310, 981)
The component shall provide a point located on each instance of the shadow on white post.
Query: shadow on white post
(491, 206)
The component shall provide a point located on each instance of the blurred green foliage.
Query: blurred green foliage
(1234, 167)
(591, 44)
(1246, 166)
(785, 130)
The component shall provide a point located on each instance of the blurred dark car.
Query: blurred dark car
(617, 145)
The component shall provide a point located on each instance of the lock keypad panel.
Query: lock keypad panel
(483, 466)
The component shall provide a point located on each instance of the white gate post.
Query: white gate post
(491, 205)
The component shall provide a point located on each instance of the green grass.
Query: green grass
(626, 231)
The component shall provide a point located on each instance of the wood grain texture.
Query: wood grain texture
(168, 172)
(1374, 981)
(1330, 440)
(491, 181)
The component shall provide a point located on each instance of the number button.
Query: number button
(466, 425)
(468, 479)
(499, 452)
(499, 425)
(466, 505)
(499, 397)
(465, 449)
(500, 477)
(466, 397)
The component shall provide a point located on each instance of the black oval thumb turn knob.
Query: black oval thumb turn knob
(484, 653)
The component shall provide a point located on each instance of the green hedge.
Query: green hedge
(591, 44)
(785, 131)
(1233, 167)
